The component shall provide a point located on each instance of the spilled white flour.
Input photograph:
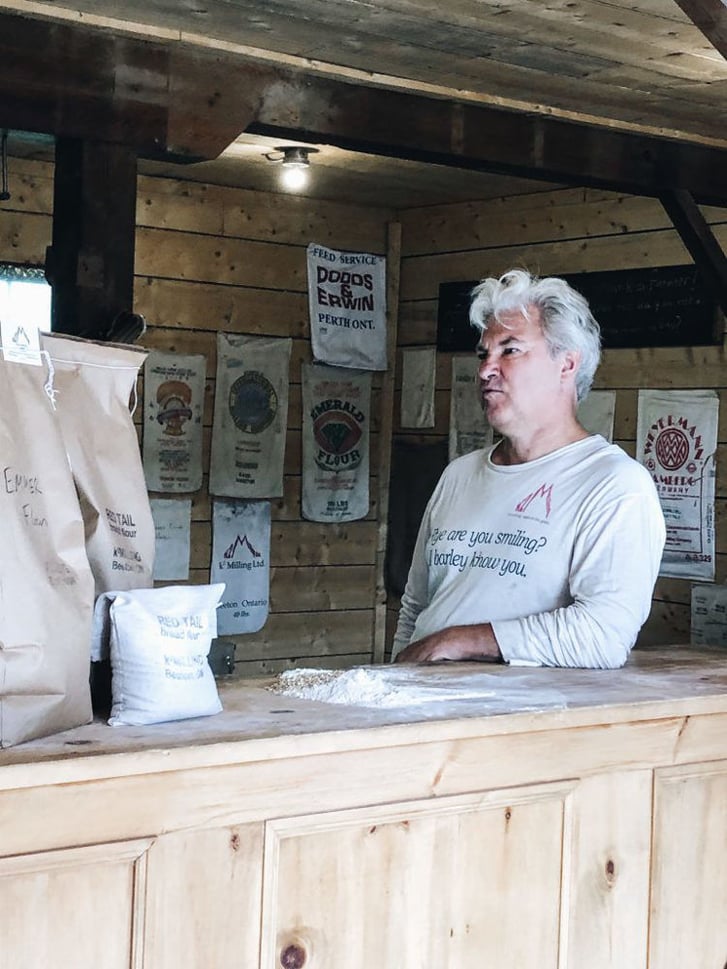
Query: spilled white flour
(380, 687)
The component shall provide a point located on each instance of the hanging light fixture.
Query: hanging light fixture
(295, 165)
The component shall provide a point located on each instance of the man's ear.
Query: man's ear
(570, 364)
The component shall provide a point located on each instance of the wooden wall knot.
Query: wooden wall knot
(293, 957)
(610, 871)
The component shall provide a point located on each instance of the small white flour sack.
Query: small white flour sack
(160, 639)
(366, 686)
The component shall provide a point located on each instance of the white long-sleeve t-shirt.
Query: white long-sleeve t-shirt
(559, 554)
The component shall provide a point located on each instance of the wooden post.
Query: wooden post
(393, 272)
(90, 264)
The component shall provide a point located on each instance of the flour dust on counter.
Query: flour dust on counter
(378, 686)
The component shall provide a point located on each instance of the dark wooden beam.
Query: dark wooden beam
(78, 83)
(90, 264)
(189, 103)
(172, 102)
(700, 241)
(711, 18)
(475, 136)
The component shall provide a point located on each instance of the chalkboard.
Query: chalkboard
(668, 306)
(454, 332)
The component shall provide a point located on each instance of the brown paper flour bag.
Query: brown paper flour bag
(93, 384)
(46, 585)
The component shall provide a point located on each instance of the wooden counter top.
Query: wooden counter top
(259, 724)
(559, 817)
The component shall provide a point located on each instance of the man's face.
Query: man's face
(521, 385)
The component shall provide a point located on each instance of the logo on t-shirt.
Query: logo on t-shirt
(537, 502)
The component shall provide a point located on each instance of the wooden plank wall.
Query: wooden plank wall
(570, 230)
(209, 259)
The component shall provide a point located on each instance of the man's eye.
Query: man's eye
(510, 350)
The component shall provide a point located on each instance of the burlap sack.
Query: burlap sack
(46, 585)
(94, 382)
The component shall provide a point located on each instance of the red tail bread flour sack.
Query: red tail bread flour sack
(46, 585)
(94, 382)
(160, 640)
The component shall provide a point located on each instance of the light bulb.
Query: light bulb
(294, 177)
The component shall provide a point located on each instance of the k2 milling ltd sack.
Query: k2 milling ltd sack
(94, 382)
(46, 585)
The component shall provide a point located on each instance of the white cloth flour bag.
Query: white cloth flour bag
(251, 416)
(173, 411)
(347, 307)
(241, 559)
(335, 434)
(468, 427)
(160, 640)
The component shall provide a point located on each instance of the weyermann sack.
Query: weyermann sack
(94, 382)
(46, 585)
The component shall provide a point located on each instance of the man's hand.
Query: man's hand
(454, 643)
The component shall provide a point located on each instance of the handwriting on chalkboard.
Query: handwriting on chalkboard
(668, 306)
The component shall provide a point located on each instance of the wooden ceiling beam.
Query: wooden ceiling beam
(187, 103)
(700, 241)
(466, 135)
(78, 83)
(710, 16)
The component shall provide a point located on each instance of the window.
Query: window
(24, 297)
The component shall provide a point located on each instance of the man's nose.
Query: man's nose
(486, 368)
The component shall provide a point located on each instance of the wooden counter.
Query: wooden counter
(563, 818)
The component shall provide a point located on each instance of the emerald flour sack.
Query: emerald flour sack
(160, 639)
(94, 382)
(46, 585)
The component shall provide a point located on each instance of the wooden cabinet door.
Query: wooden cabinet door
(609, 871)
(79, 908)
(467, 880)
(689, 868)
(203, 892)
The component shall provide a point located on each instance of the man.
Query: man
(544, 549)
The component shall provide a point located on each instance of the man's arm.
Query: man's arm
(613, 570)
(455, 643)
(615, 563)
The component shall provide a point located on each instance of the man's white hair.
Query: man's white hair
(567, 321)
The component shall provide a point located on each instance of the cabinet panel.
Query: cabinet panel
(689, 870)
(609, 896)
(78, 907)
(471, 880)
(203, 894)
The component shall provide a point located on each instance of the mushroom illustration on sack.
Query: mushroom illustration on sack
(174, 398)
